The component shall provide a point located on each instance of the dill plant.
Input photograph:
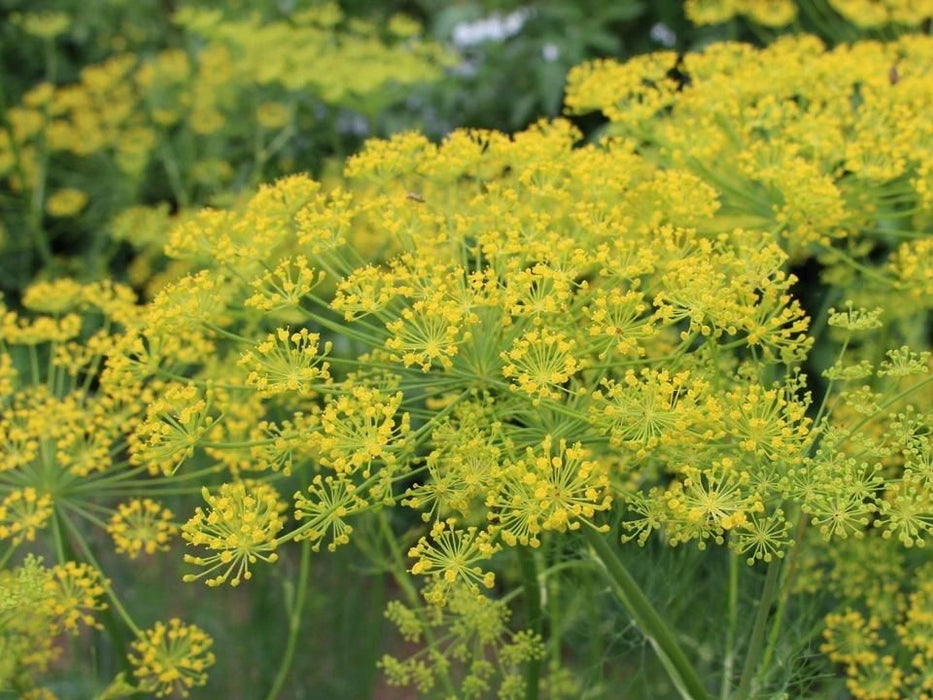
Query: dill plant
(228, 99)
(498, 364)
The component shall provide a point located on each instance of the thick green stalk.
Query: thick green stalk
(294, 621)
(526, 560)
(652, 625)
(758, 630)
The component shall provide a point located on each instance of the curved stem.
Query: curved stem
(294, 621)
(652, 625)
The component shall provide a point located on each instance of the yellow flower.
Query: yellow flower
(23, 512)
(287, 362)
(240, 527)
(45, 25)
(553, 488)
(171, 658)
(273, 115)
(361, 428)
(710, 11)
(141, 525)
(8, 375)
(452, 555)
(332, 501)
(540, 362)
(66, 202)
(74, 590)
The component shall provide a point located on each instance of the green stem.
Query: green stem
(173, 175)
(294, 621)
(404, 582)
(8, 553)
(758, 630)
(732, 623)
(652, 625)
(890, 402)
(532, 591)
(785, 595)
(86, 551)
(59, 540)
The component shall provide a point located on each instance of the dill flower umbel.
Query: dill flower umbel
(174, 425)
(68, 202)
(287, 361)
(240, 528)
(554, 487)
(141, 525)
(23, 512)
(325, 510)
(74, 590)
(285, 286)
(452, 555)
(541, 362)
(171, 658)
(361, 428)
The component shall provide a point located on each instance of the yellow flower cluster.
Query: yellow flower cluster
(553, 488)
(67, 421)
(885, 658)
(809, 144)
(287, 361)
(521, 338)
(171, 659)
(67, 202)
(583, 290)
(141, 525)
(451, 555)
(333, 501)
(769, 13)
(864, 14)
(128, 106)
(361, 428)
(38, 604)
(23, 512)
(219, 105)
(316, 50)
(240, 527)
(175, 424)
